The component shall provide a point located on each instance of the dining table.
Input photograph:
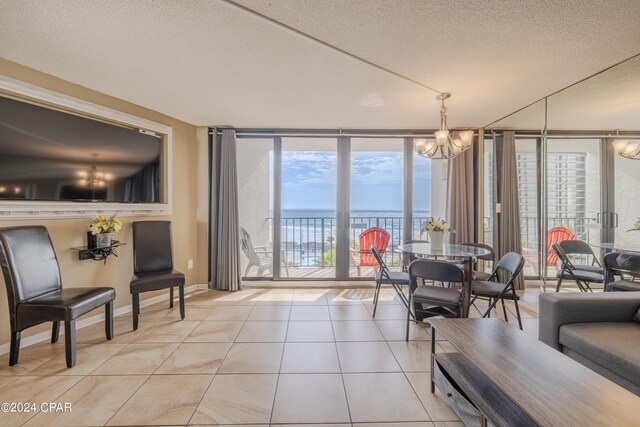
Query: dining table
(468, 255)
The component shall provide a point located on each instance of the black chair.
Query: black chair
(627, 267)
(582, 249)
(153, 264)
(493, 290)
(569, 271)
(384, 276)
(434, 300)
(490, 257)
(35, 294)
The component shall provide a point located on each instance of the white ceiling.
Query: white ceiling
(210, 62)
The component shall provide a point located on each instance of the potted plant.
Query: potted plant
(436, 229)
(104, 228)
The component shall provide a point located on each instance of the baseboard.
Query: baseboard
(46, 336)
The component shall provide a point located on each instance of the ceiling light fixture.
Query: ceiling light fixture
(93, 178)
(447, 144)
(627, 149)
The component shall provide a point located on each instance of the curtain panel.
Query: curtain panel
(224, 224)
(460, 198)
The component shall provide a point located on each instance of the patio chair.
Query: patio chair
(374, 236)
(554, 235)
(258, 256)
(569, 271)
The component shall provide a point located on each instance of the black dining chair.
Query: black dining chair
(35, 294)
(430, 300)
(153, 264)
(490, 257)
(492, 290)
(582, 250)
(568, 271)
(384, 276)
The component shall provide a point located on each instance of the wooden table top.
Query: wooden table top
(553, 389)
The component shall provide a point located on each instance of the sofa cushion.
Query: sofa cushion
(611, 345)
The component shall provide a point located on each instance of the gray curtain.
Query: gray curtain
(460, 198)
(507, 222)
(224, 222)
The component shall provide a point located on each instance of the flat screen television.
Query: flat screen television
(51, 155)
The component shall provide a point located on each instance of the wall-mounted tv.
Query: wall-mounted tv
(51, 155)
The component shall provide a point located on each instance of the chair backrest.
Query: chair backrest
(510, 263)
(578, 247)
(247, 247)
(562, 255)
(152, 247)
(374, 236)
(622, 263)
(384, 270)
(556, 235)
(29, 264)
(436, 270)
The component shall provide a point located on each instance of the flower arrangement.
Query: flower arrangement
(437, 224)
(636, 226)
(102, 225)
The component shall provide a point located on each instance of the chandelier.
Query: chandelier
(447, 144)
(92, 178)
(627, 149)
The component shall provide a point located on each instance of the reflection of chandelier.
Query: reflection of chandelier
(447, 144)
(627, 149)
(93, 178)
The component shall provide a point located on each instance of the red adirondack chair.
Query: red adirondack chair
(374, 236)
(554, 235)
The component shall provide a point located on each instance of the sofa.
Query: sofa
(598, 330)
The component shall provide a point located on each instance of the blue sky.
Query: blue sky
(309, 180)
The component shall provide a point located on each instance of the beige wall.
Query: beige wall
(66, 233)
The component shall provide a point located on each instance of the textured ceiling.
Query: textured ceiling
(211, 62)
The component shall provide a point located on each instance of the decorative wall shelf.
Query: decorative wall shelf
(98, 254)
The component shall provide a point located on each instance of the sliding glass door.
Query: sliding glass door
(626, 205)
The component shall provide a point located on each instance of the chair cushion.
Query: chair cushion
(613, 345)
(586, 276)
(436, 295)
(484, 288)
(590, 268)
(156, 280)
(65, 304)
(398, 277)
(623, 285)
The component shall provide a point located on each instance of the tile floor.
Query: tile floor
(255, 357)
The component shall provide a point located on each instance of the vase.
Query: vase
(437, 239)
(103, 240)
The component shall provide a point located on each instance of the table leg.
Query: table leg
(433, 358)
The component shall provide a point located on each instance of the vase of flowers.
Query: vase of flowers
(104, 228)
(437, 229)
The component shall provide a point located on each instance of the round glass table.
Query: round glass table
(468, 254)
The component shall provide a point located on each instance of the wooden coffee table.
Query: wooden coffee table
(499, 375)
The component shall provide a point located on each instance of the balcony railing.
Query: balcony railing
(311, 241)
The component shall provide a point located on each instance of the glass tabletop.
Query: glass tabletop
(612, 247)
(447, 250)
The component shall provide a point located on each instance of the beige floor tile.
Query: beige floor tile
(411, 424)
(302, 358)
(137, 359)
(367, 357)
(388, 311)
(346, 296)
(263, 332)
(310, 297)
(449, 424)
(276, 297)
(6, 380)
(435, 405)
(310, 331)
(224, 312)
(168, 331)
(190, 313)
(310, 398)
(88, 358)
(30, 358)
(111, 392)
(270, 312)
(413, 356)
(356, 330)
(386, 397)
(215, 331)
(195, 358)
(33, 389)
(349, 312)
(163, 399)
(312, 425)
(237, 399)
(123, 332)
(252, 358)
(395, 330)
(154, 312)
(312, 312)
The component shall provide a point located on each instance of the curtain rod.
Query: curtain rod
(424, 134)
(569, 135)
